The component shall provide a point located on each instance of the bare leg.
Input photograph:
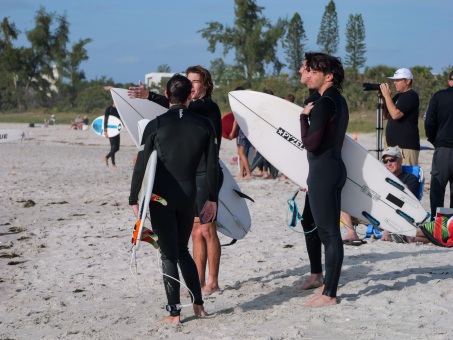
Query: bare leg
(209, 232)
(314, 281)
(200, 254)
(243, 164)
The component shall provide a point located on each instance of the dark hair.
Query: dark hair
(178, 89)
(239, 88)
(206, 79)
(290, 97)
(451, 76)
(268, 91)
(327, 64)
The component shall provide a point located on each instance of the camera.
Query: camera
(371, 87)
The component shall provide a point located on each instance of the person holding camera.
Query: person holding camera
(401, 113)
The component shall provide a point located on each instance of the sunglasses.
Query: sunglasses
(385, 161)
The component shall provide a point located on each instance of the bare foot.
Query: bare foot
(113, 165)
(314, 281)
(171, 319)
(208, 290)
(106, 160)
(321, 301)
(316, 294)
(283, 177)
(386, 236)
(248, 177)
(199, 310)
(257, 173)
(267, 175)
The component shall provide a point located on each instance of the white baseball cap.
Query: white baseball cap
(402, 73)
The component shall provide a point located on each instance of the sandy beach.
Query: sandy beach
(65, 231)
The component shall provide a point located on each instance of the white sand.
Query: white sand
(71, 279)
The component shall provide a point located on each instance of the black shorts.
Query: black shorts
(203, 191)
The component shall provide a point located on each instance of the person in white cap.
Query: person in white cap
(401, 111)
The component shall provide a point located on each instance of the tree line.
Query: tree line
(254, 41)
(48, 73)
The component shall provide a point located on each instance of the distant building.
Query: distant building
(154, 80)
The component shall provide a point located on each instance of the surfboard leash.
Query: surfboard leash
(293, 211)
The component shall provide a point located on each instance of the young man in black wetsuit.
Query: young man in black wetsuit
(114, 141)
(205, 241)
(182, 139)
(323, 139)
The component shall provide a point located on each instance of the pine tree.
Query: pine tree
(294, 44)
(328, 36)
(355, 42)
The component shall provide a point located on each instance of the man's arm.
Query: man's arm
(389, 108)
(141, 92)
(430, 123)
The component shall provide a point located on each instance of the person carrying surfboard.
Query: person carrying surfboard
(179, 151)
(114, 141)
(205, 241)
(323, 129)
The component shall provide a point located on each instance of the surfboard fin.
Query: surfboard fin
(233, 241)
(241, 194)
(148, 235)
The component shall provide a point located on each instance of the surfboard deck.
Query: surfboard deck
(371, 192)
(233, 216)
(114, 126)
(7, 136)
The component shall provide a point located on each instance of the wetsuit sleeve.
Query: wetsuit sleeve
(106, 117)
(321, 114)
(430, 121)
(212, 164)
(158, 99)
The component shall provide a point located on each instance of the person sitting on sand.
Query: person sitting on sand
(77, 123)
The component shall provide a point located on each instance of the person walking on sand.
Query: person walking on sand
(205, 241)
(114, 141)
(323, 138)
(182, 139)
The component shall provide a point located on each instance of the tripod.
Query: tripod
(379, 128)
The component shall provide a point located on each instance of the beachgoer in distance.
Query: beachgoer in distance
(205, 241)
(114, 141)
(439, 131)
(242, 143)
(401, 113)
(323, 139)
(181, 139)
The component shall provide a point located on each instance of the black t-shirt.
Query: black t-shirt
(404, 132)
(411, 181)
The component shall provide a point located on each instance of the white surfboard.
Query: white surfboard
(371, 191)
(114, 126)
(7, 136)
(145, 193)
(233, 218)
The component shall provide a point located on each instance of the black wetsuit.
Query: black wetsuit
(114, 141)
(323, 138)
(312, 240)
(181, 138)
(208, 109)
